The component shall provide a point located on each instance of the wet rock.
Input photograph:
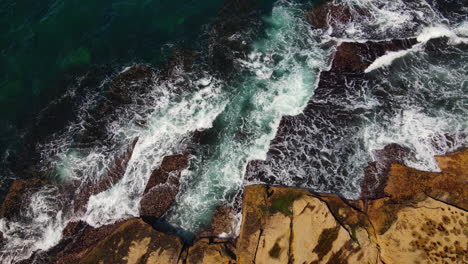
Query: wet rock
(328, 120)
(221, 222)
(329, 14)
(211, 251)
(448, 186)
(356, 57)
(113, 175)
(18, 196)
(134, 78)
(162, 187)
(232, 32)
(375, 175)
(78, 240)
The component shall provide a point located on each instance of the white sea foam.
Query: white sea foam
(427, 33)
(440, 31)
(388, 59)
(377, 19)
(417, 131)
(166, 130)
(39, 228)
(284, 68)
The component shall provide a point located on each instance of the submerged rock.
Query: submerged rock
(18, 196)
(313, 140)
(112, 176)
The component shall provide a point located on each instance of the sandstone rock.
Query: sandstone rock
(319, 238)
(449, 185)
(211, 251)
(427, 232)
(135, 242)
(163, 186)
(422, 220)
(254, 214)
(296, 226)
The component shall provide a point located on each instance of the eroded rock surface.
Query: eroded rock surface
(136, 242)
(423, 219)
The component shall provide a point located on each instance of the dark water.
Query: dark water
(42, 42)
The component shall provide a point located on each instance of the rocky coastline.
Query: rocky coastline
(403, 215)
(422, 218)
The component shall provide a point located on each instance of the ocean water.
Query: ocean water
(416, 98)
(45, 44)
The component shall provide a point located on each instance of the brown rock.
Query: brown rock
(17, 196)
(170, 164)
(163, 186)
(135, 242)
(449, 185)
(114, 174)
(221, 222)
(286, 225)
(356, 57)
(254, 214)
(376, 173)
(321, 15)
(211, 251)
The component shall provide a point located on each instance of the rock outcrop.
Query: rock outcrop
(423, 219)
(136, 242)
(313, 140)
(162, 186)
(221, 222)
